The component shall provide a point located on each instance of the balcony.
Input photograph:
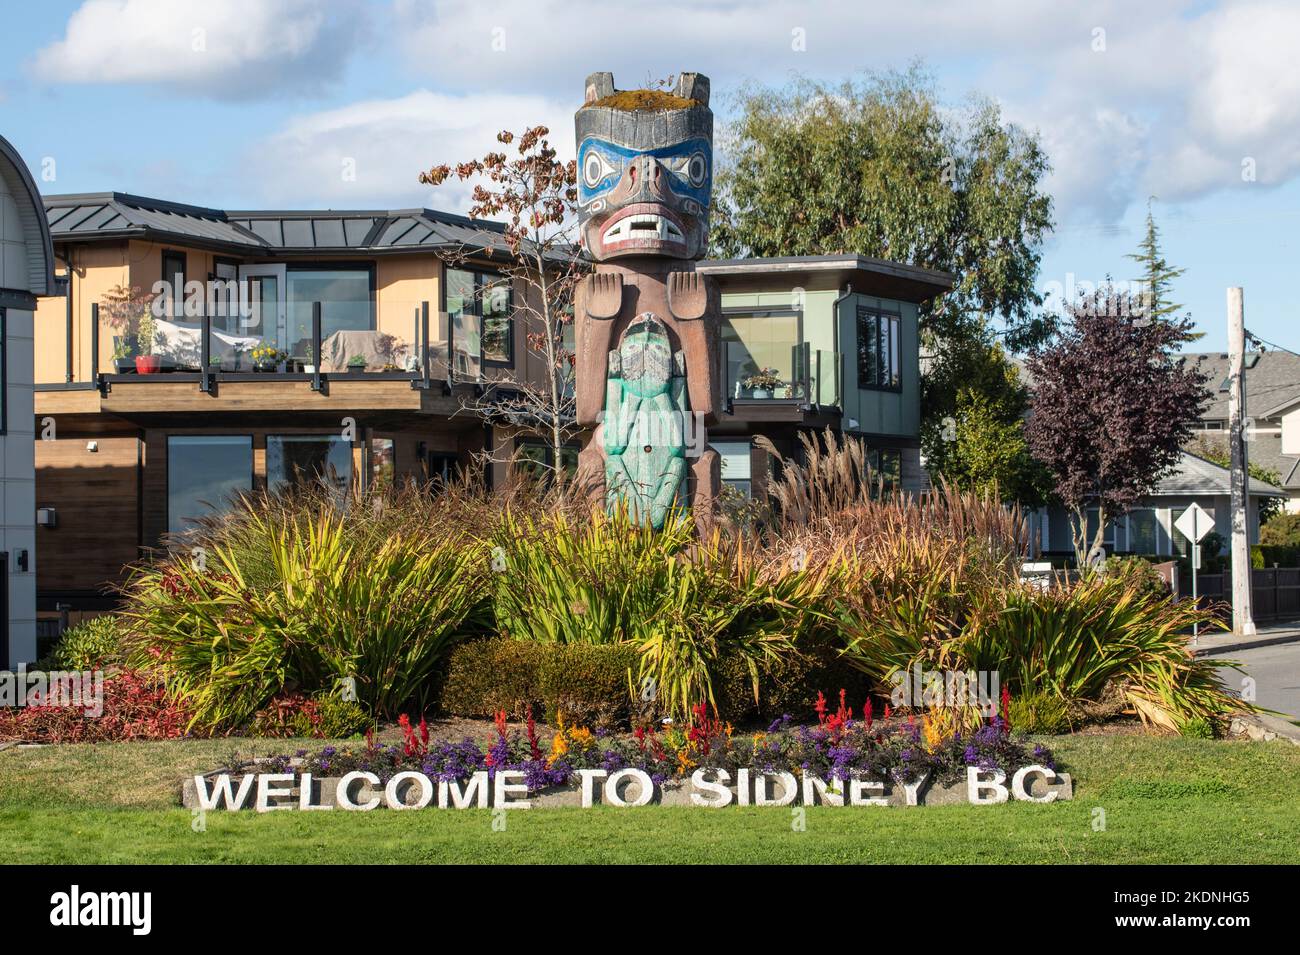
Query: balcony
(781, 380)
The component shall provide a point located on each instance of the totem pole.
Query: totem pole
(646, 321)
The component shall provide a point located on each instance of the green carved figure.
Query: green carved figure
(644, 436)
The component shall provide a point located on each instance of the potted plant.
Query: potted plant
(266, 357)
(146, 362)
(762, 383)
(356, 364)
(309, 366)
(121, 308)
(123, 354)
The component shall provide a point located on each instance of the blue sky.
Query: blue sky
(264, 103)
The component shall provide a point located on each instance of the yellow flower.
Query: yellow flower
(684, 762)
(559, 746)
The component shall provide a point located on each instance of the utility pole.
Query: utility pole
(1243, 623)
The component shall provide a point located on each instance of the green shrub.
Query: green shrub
(1197, 727)
(584, 684)
(1282, 531)
(1077, 643)
(1140, 573)
(1038, 713)
(335, 718)
(342, 603)
(91, 644)
(484, 676)
(790, 685)
(587, 685)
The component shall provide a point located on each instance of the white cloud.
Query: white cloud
(1179, 95)
(387, 143)
(226, 49)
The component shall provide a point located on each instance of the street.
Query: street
(1276, 671)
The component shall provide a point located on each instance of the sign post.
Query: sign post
(1194, 524)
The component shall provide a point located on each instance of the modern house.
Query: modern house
(343, 353)
(350, 356)
(26, 260)
(810, 342)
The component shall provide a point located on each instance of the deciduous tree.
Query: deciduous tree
(1112, 406)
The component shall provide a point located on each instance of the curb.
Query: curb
(1203, 649)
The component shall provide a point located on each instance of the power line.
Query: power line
(1263, 341)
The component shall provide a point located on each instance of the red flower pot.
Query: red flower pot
(147, 364)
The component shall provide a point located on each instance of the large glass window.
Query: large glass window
(760, 355)
(346, 297)
(480, 309)
(204, 472)
(879, 361)
(299, 459)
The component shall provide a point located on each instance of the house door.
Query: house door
(266, 293)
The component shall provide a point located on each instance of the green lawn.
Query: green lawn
(1165, 800)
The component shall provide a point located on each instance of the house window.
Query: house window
(885, 465)
(295, 460)
(204, 473)
(1142, 531)
(879, 364)
(759, 351)
(737, 470)
(173, 273)
(383, 462)
(480, 307)
(443, 468)
(535, 460)
(1211, 424)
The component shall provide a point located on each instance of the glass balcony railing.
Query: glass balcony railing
(321, 345)
(791, 373)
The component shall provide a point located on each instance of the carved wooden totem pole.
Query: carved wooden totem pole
(646, 322)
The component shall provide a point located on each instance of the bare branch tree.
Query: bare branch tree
(536, 195)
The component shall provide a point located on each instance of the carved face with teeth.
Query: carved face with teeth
(645, 169)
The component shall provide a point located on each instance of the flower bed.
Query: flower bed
(839, 751)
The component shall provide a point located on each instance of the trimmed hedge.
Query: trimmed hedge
(588, 684)
(585, 684)
(790, 688)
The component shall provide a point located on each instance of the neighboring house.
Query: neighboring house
(131, 453)
(1272, 412)
(839, 334)
(127, 457)
(26, 260)
(1149, 528)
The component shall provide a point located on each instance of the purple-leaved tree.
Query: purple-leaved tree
(1112, 405)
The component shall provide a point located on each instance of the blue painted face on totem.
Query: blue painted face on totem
(601, 165)
(644, 201)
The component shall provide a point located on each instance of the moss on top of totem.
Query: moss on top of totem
(643, 100)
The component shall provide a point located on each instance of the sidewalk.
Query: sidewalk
(1266, 636)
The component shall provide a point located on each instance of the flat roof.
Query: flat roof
(877, 276)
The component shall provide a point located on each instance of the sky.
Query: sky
(312, 104)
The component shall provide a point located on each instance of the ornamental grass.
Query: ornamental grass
(309, 592)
